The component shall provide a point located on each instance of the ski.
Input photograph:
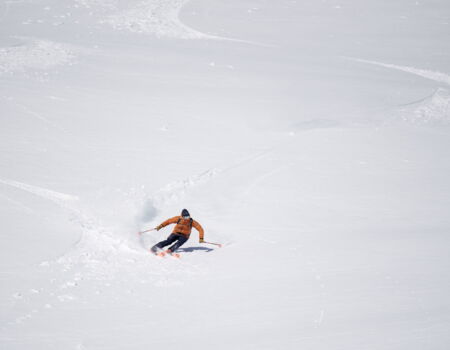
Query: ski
(175, 255)
(163, 254)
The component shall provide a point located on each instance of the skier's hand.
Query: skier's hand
(201, 240)
(157, 228)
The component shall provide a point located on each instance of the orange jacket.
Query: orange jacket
(183, 226)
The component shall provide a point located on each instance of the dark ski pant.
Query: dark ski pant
(176, 238)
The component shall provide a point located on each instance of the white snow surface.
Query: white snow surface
(310, 138)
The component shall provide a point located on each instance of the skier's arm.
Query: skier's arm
(199, 228)
(173, 220)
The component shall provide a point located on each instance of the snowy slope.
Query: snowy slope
(310, 138)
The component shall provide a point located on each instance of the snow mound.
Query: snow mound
(433, 110)
(157, 17)
(97, 242)
(34, 54)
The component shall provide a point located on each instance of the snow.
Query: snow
(155, 17)
(36, 54)
(310, 138)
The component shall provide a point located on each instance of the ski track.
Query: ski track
(427, 74)
(248, 160)
(432, 110)
(157, 17)
(101, 255)
(261, 178)
(160, 18)
(97, 241)
(18, 204)
(171, 193)
(34, 114)
(56, 197)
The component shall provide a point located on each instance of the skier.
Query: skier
(179, 235)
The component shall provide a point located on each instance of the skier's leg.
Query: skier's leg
(172, 238)
(181, 239)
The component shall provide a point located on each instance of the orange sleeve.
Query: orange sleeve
(199, 228)
(173, 220)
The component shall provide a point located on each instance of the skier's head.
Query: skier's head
(185, 214)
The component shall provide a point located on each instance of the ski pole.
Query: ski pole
(152, 229)
(217, 244)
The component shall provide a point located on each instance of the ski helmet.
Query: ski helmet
(185, 213)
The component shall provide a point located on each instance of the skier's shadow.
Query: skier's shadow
(194, 249)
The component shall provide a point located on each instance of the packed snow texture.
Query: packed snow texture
(309, 138)
(34, 54)
(434, 109)
(154, 17)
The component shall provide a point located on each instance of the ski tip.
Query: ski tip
(172, 254)
(160, 253)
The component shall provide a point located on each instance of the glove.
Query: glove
(159, 227)
(201, 240)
